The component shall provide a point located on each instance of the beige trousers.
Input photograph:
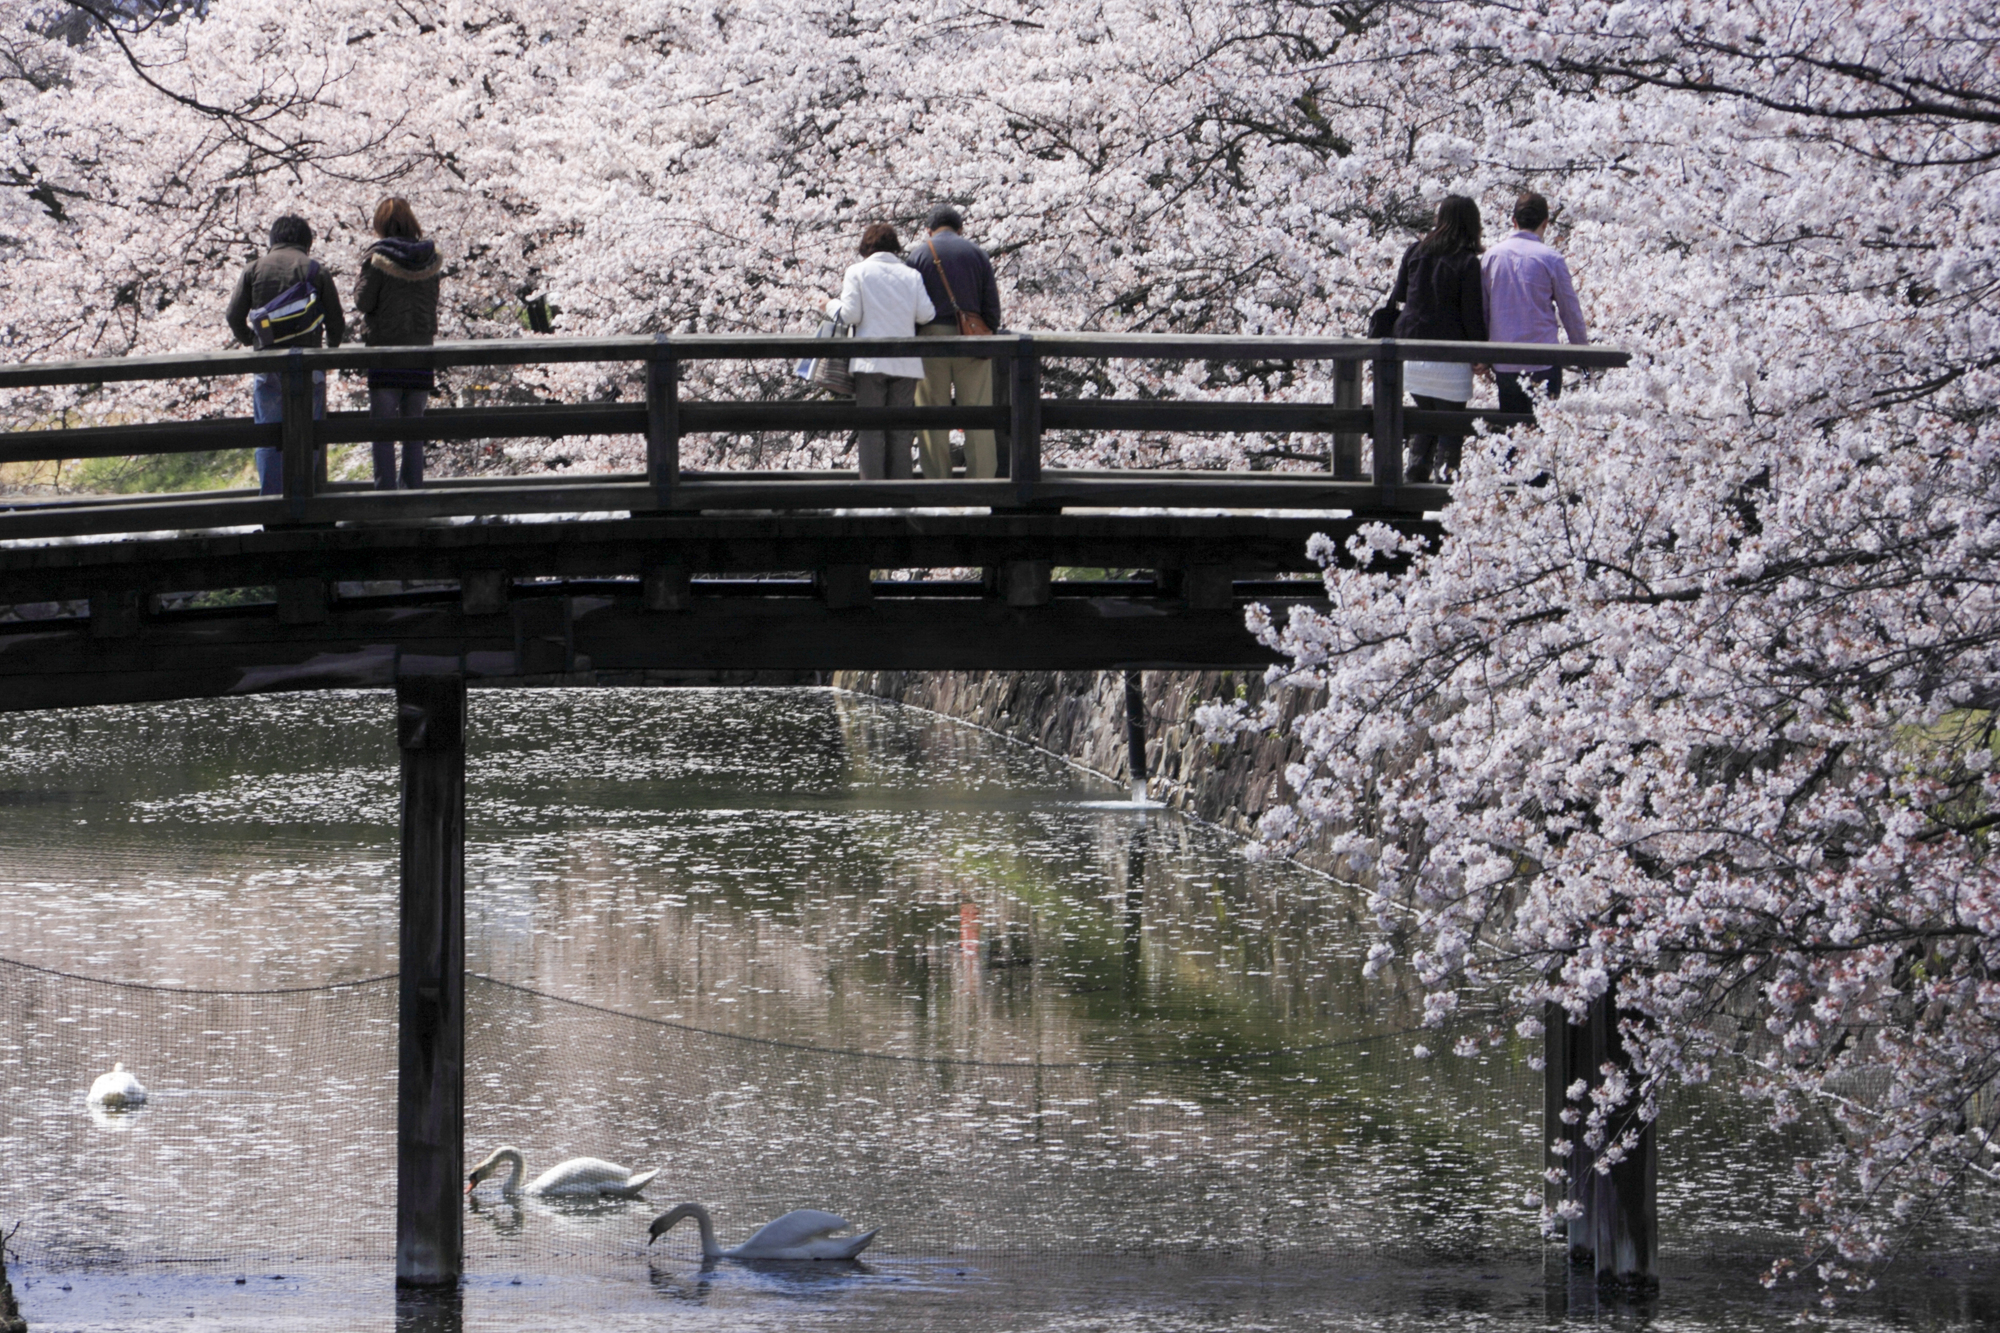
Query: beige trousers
(956, 381)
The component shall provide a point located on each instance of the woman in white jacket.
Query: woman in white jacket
(882, 297)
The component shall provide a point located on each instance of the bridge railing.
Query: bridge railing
(666, 417)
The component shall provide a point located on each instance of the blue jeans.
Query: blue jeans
(398, 403)
(267, 405)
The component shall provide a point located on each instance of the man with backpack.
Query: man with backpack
(285, 300)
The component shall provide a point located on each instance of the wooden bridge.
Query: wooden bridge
(674, 570)
(677, 570)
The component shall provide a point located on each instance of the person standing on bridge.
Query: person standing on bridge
(1528, 289)
(309, 318)
(966, 302)
(1437, 285)
(882, 297)
(398, 298)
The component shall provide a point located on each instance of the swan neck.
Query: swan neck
(710, 1248)
(515, 1169)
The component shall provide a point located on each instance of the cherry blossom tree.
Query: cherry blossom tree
(692, 168)
(1693, 703)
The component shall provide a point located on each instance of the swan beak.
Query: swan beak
(472, 1184)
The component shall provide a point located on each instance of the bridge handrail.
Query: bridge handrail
(1021, 416)
(745, 347)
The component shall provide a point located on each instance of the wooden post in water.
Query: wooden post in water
(430, 1086)
(1624, 1214)
(1617, 1233)
(1135, 731)
(1566, 1057)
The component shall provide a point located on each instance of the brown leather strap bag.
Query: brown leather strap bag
(969, 324)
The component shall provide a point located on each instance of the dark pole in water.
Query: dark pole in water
(430, 1086)
(1135, 731)
(1624, 1216)
(1567, 1055)
(1617, 1232)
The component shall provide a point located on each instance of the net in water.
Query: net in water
(269, 1135)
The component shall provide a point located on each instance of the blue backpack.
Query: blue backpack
(291, 314)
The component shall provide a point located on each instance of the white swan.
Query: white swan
(579, 1177)
(799, 1234)
(117, 1088)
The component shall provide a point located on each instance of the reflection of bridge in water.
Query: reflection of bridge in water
(677, 571)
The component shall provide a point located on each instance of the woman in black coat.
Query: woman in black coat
(1439, 289)
(398, 298)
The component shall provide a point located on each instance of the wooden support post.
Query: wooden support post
(666, 587)
(1623, 1214)
(1026, 582)
(663, 423)
(1566, 1058)
(299, 436)
(430, 1310)
(430, 1085)
(1209, 588)
(1345, 460)
(1135, 732)
(1025, 433)
(846, 586)
(116, 614)
(1388, 419)
(302, 601)
(485, 592)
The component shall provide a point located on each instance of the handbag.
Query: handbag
(969, 324)
(1382, 324)
(829, 372)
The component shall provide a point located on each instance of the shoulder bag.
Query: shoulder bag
(969, 324)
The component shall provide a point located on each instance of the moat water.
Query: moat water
(1084, 1064)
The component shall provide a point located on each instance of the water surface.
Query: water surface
(795, 948)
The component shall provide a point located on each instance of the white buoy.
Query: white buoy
(117, 1088)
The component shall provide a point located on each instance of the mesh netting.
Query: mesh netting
(264, 1109)
(291, 1154)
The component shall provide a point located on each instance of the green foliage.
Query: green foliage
(213, 470)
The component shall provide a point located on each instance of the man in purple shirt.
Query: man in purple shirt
(1527, 288)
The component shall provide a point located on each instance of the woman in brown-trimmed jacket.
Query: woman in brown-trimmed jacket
(398, 299)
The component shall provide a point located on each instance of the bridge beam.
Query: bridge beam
(611, 628)
(430, 1082)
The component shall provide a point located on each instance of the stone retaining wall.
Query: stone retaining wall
(1080, 715)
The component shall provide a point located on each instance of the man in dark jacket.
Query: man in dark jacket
(954, 267)
(283, 265)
